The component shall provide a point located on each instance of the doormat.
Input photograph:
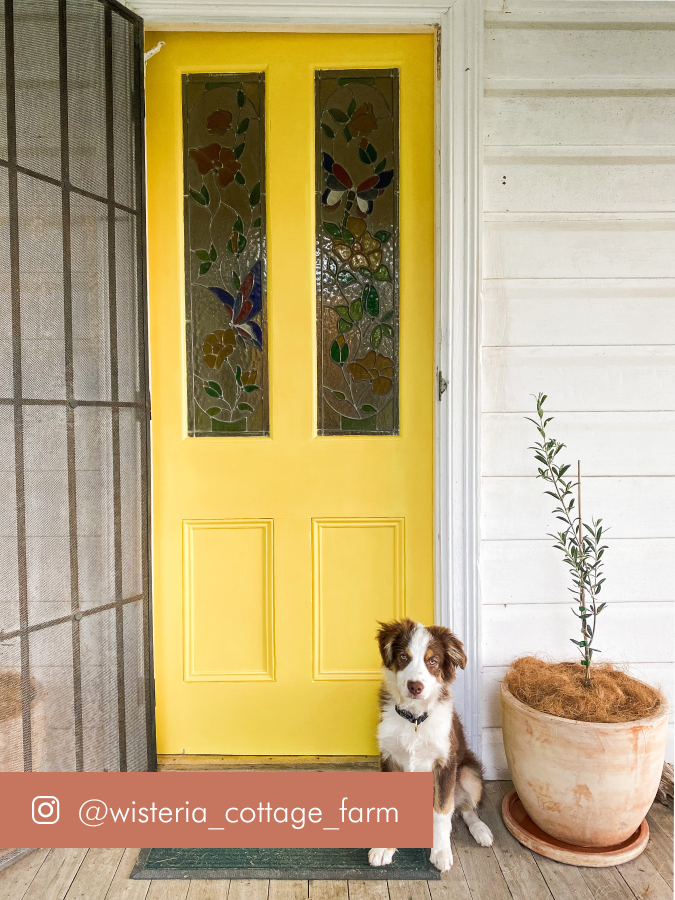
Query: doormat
(324, 864)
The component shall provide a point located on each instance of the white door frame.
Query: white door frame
(458, 240)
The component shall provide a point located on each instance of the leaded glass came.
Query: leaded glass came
(224, 188)
(357, 251)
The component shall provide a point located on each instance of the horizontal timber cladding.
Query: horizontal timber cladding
(74, 412)
(579, 303)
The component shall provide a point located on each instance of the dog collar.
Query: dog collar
(416, 720)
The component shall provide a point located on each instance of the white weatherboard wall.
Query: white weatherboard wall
(578, 302)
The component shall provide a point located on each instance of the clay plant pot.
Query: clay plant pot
(11, 724)
(585, 783)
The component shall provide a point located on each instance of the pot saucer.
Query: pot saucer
(531, 836)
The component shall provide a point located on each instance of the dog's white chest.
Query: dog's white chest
(411, 750)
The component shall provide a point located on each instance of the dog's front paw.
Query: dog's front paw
(481, 834)
(442, 859)
(381, 856)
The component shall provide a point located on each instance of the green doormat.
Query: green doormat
(319, 864)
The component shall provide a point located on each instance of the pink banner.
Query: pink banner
(216, 809)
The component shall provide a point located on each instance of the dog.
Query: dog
(420, 730)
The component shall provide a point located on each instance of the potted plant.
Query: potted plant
(585, 742)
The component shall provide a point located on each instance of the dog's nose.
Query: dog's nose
(415, 688)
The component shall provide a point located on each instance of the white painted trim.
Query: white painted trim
(458, 242)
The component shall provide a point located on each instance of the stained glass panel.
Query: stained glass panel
(357, 250)
(224, 188)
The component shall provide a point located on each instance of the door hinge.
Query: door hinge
(442, 385)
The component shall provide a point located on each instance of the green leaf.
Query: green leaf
(213, 411)
(236, 281)
(257, 223)
(202, 254)
(249, 388)
(343, 312)
(213, 256)
(332, 229)
(365, 272)
(243, 125)
(254, 196)
(239, 149)
(239, 178)
(327, 130)
(381, 273)
(356, 310)
(241, 99)
(344, 326)
(388, 330)
(238, 226)
(204, 268)
(347, 133)
(205, 194)
(241, 243)
(368, 408)
(244, 407)
(338, 395)
(363, 156)
(338, 115)
(237, 375)
(347, 236)
(344, 353)
(371, 301)
(213, 389)
(345, 278)
(335, 353)
(383, 236)
(351, 108)
(380, 166)
(371, 153)
(199, 198)
(388, 316)
(376, 336)
(332, 266)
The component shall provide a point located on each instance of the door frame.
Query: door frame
(458, 206)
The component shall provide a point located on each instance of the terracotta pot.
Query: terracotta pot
(11, 724)
(586, 783)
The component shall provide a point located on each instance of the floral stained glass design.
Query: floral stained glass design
(357, 251)
(224, 188)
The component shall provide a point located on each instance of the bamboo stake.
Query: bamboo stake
(584, 630)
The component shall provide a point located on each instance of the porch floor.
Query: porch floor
(504, 871)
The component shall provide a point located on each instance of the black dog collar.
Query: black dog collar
(416, 720)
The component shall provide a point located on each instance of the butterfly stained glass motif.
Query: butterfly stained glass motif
(224, 188)
(357, 251)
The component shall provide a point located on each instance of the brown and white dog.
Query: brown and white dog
(420, 731)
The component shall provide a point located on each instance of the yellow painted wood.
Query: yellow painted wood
(294, 478)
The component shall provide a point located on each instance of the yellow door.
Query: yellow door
(274, 556)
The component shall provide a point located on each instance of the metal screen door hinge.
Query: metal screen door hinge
(442, 385)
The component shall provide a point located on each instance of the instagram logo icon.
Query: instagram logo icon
(45, 810)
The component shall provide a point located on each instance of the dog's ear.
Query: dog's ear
(454, 656)
(390, 634)
(386, 636)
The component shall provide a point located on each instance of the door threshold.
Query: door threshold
(188, 762)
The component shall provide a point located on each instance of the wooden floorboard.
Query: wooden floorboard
(95, 874)
(17, 878)
(368, 890)
(207, 889)
(289, 890)
(643, 880)
(55, 875)
(123, 887)
(328, 890)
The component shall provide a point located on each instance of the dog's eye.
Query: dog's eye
(403, 657)
(432, 661)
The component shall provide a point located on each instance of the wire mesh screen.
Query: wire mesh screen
(75, 683)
